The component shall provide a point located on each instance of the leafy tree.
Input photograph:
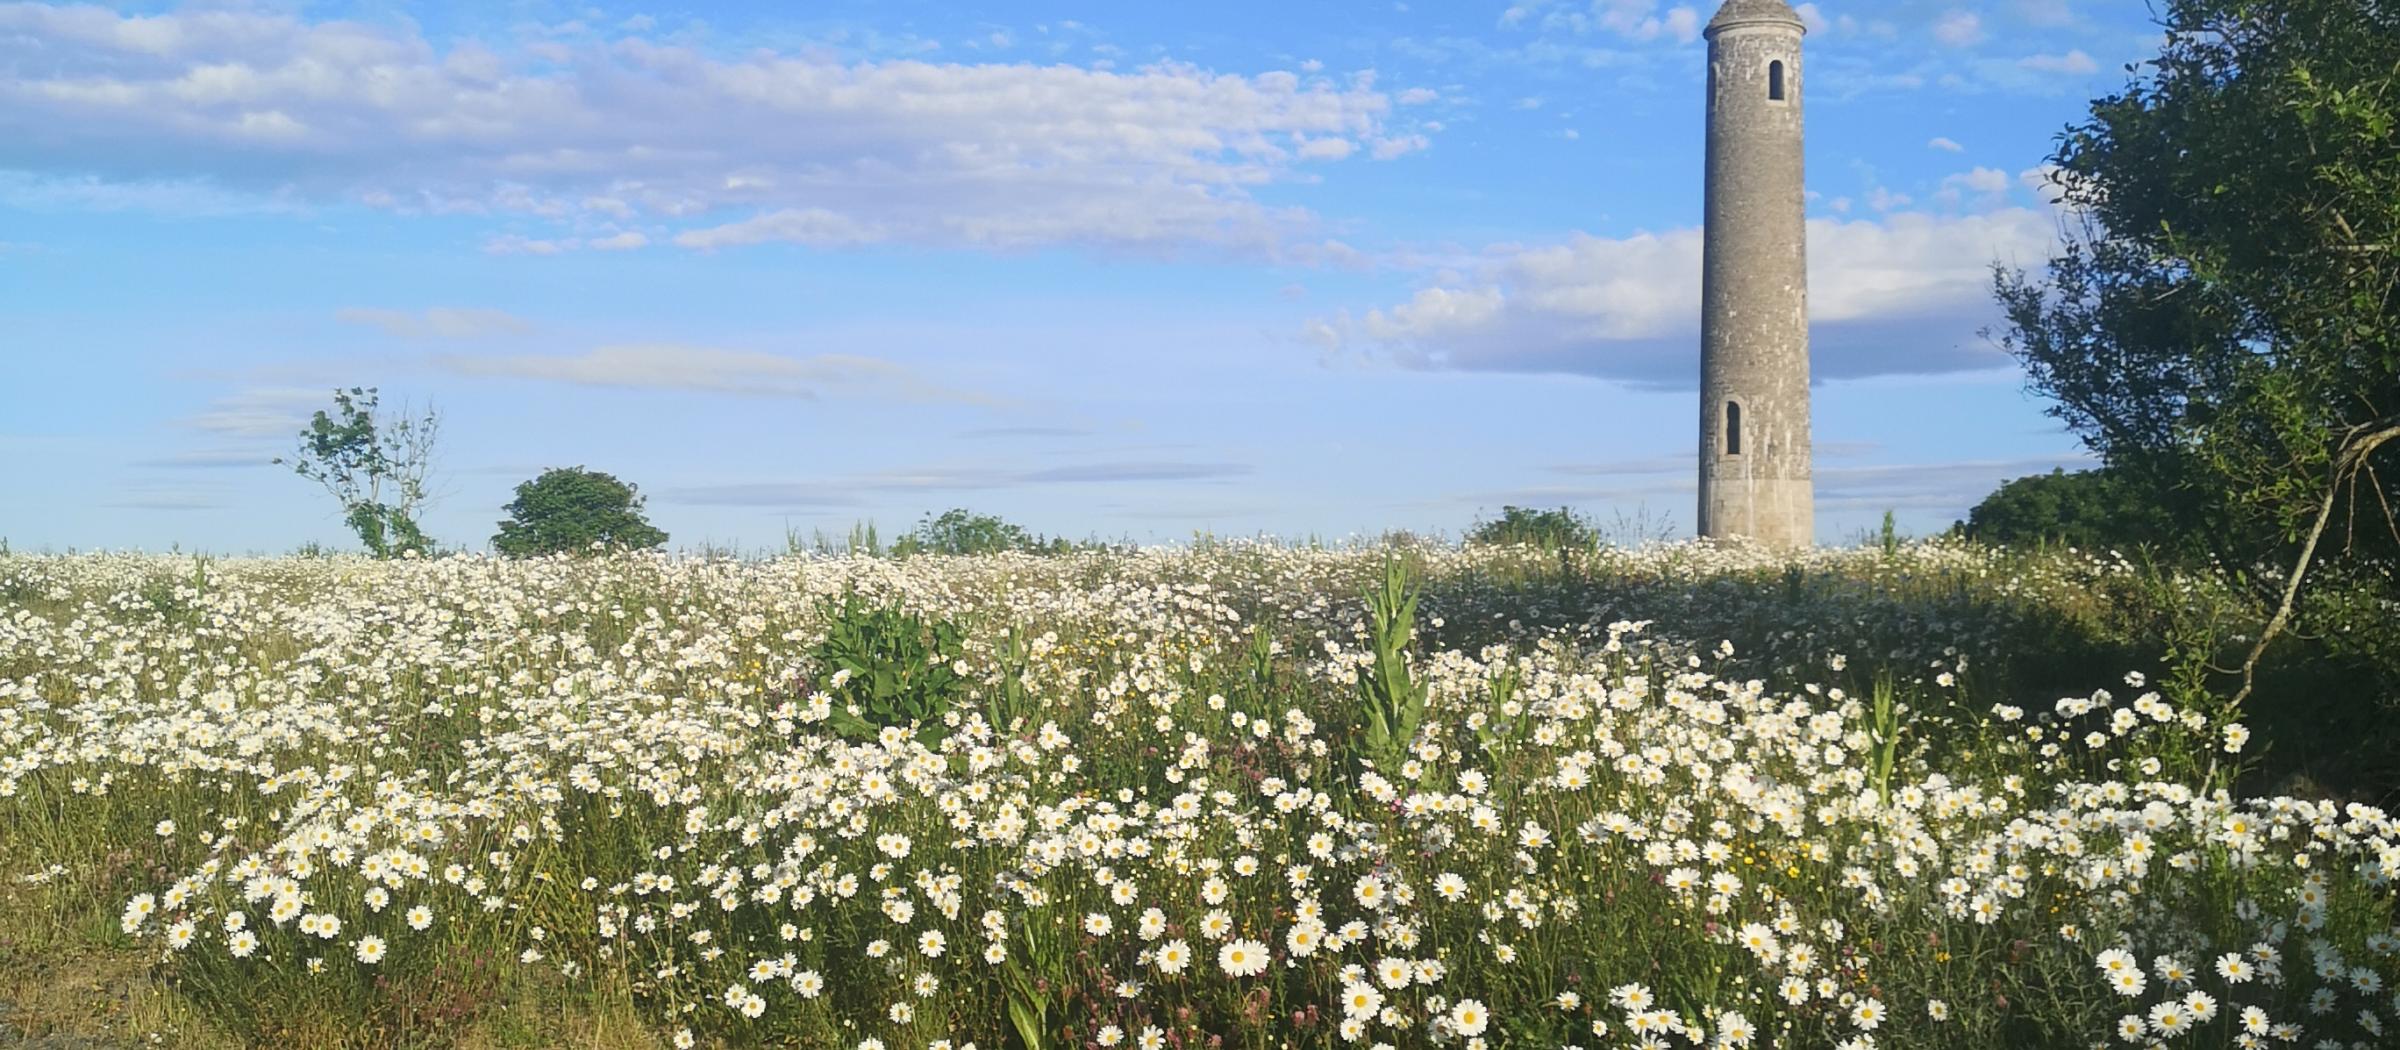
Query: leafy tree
(374, 466)
(2226, 326)
(962, 531)
(570, 509)
(2091, 509)
(1547, 529)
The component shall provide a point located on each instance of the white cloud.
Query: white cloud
(1398, 145)
(571, 132)
(1959, 29)
(668, 366)
(1902, 294)
(1683, 23)
(1418, 96)
(439, 322)
(1628, 19)
(1983, 182)
(2041, 179)
(1327, 149)
(1944, 144)
(2074, 63)
(811, 226)
(517, 244)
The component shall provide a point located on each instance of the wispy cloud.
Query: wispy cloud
(167, 499)
(1635, 20)
(1025, 432)
(1623, 467)
(845, 491)
(265, 412)
(1139, 471)
(213, 458)
(2073, 63)
(760, 494)
(1959, 29)
(669, 366)
(438, 322)
(1902, 294)
(1951, 487)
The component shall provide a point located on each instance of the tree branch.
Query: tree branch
(2348, 462)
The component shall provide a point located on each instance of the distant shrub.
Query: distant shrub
(571, 509)
(962, 531)
(2089, 509)
(1547, 529)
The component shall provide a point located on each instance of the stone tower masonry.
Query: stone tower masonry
(1754, 448)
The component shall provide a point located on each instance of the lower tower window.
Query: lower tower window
(1733, 428)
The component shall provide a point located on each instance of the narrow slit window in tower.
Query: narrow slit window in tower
(1775, 80)
(1733, 428)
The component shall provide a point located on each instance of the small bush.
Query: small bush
(962, 531)
(1547, 529)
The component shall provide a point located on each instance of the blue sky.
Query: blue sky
(1114, 270)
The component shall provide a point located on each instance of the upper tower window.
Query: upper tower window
(1733, 428)
(1775, 80)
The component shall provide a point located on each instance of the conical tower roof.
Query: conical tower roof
(1747, 12)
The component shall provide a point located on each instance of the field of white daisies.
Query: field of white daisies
(1234, 797)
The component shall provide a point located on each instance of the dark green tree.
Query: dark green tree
(571, 509)
(2091, 509)
(374, 465)
(1547, 529)
(2226, 326)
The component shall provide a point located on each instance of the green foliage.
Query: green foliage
(1547, 529)
(2226, 329)
(1391, 701)
(2098, 509)
(375, 467)
(1885, 729)
(573, 509)
(962, 531)
(887, 666)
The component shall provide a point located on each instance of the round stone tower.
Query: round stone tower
(1754, 450)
